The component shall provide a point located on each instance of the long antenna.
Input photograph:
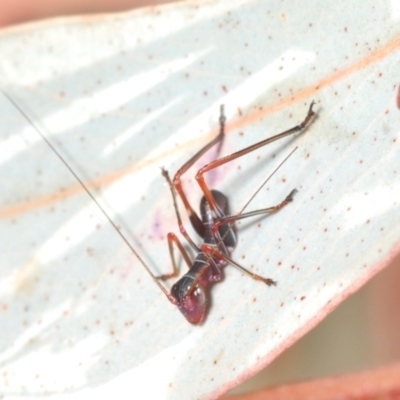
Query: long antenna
(25, 115)
(268, 178)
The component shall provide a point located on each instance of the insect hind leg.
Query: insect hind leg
(216, 163)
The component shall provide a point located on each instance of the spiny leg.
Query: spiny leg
(172, 238)
(214, 164)
(194, 218)
(270, 210)
(215, 253)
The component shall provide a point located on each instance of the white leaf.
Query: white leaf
(122, 95)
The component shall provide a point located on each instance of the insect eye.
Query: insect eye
(198, 296)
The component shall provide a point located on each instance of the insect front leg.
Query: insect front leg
(177, 213)
(172, 238)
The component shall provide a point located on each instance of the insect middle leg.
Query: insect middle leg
(178, 214)
(172, 238)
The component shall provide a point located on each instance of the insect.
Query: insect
(215, 226)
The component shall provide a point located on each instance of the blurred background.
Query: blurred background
(361, 333)
(19, 11)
